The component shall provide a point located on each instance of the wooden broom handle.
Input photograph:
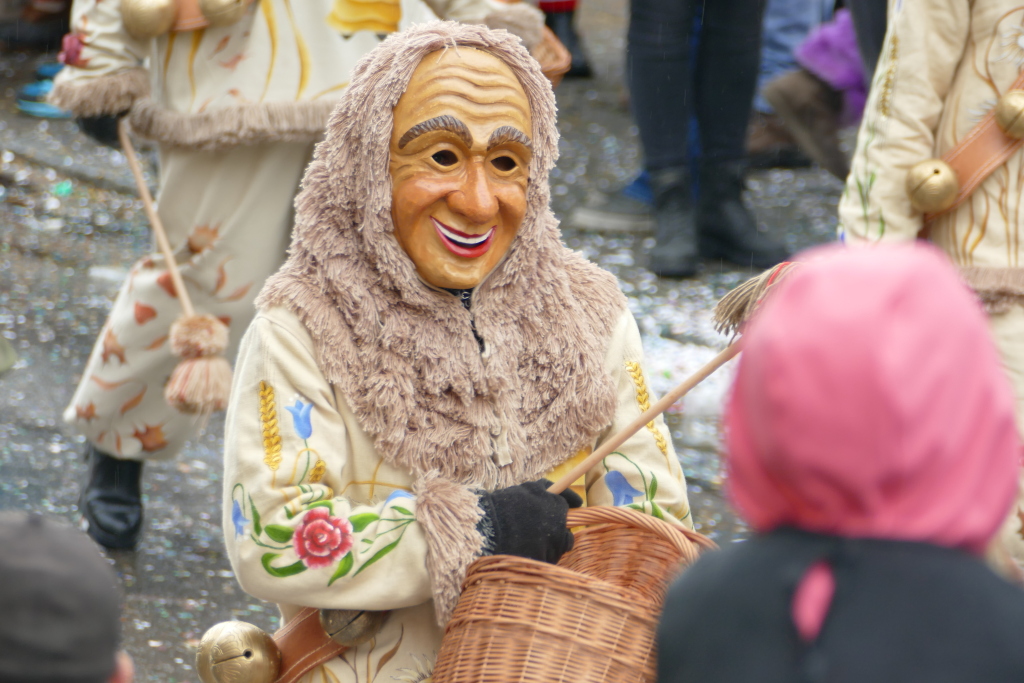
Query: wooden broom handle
(154, 219)
(605, 449)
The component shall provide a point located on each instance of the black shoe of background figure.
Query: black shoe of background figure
(728, 231)
(675, 232)
(111, 502)
(561, 24)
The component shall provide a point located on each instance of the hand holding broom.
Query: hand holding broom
(732, 311)
(202, 380)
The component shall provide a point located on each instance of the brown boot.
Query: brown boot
(769, 144)
(810, 108)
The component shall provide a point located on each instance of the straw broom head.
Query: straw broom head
(737, 306)
(730, 314)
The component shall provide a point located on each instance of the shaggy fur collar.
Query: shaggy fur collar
(403, 354)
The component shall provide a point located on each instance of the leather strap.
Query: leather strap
(981, 152)
(304, 645)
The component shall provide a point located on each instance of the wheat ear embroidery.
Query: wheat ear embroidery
(268, 421)
(643, 400)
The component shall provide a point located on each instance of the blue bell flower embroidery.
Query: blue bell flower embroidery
(396, 494)
(622, 492)
(238, 519)
(300, 415)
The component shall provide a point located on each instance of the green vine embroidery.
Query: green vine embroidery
(320, 539)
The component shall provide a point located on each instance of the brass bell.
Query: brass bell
(351, 627)
(237, 652)
(1010, 113)
(223, 12)
(146, 19)
(932, 186)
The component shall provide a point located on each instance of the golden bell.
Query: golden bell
(1010, 113)
(223, 12)
(932, 186)
(351, 627)
(146, 19)
(237, 652)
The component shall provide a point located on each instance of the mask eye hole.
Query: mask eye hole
(505, 164)
(445, 157)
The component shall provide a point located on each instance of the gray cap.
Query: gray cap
(59, 604)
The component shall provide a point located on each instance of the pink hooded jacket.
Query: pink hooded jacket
(870, 403)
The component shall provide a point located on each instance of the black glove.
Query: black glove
(527, 521)
(102, 129)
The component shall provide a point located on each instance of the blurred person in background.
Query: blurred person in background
(825, 94)
(60, 605)
(718, 89)
(787, 23)
(872, 448)
(768, 145)
(560, 17)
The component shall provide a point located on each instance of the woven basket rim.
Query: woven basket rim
(525, 571)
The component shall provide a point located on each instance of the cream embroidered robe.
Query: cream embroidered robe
(314, 516)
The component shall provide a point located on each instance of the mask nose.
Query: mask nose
(476, 200)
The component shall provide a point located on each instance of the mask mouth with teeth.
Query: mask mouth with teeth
(462, 244)
(459, 161)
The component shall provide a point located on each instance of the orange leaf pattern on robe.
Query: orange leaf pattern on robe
(87, 413)
(152, 438)
(238, 293)
(144, 313)
(111, 347)
(232, 64)
(157, 343)
(108, 386)
(222, 44)
(164, 280)
(222, 276)
(133, 401)
(202, 238)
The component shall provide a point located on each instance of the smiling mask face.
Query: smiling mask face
(460, 155)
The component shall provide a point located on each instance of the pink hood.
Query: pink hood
(870, 402)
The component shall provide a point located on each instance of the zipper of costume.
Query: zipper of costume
(501, 455)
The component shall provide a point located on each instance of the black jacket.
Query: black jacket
(902, 613)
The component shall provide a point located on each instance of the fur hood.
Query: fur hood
(402, 353)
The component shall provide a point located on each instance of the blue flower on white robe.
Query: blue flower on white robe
(622, 492)
(300, 415)
(238, 519)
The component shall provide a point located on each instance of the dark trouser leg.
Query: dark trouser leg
(560, 17)
(658, 70)
(658, 66)
(725, 75)
(869, 23)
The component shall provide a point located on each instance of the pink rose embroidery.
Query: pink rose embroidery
(321, 540)
(71, 50)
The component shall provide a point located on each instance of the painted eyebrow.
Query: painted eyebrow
(446, 122)
(508, 134)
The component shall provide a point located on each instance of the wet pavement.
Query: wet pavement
(70, 226)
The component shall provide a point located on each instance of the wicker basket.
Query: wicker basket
(519, 620)
(554, 59)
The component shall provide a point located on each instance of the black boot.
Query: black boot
(728, 231)
(675, 232)
(561, 24)
(112, 500)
